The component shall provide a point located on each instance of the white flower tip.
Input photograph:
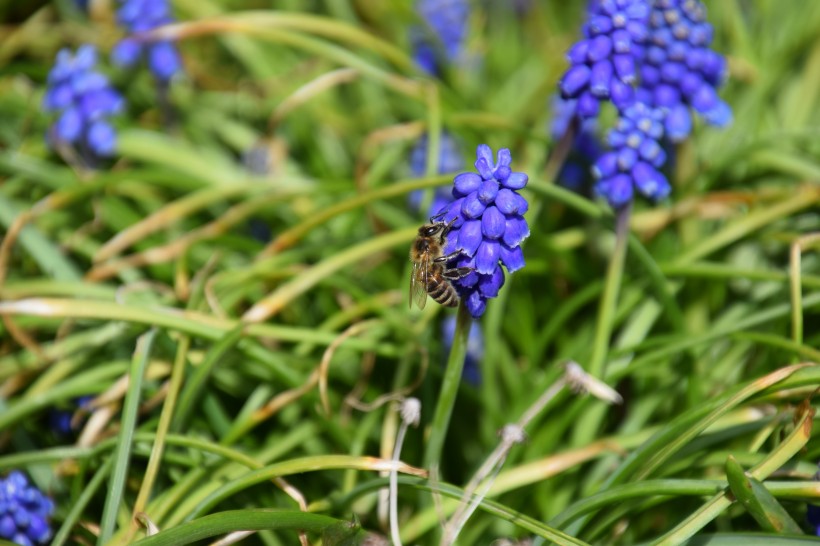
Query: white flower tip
(513, 434)
(410, 411)
(582, 382)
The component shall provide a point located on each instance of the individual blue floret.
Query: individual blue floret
(83, 100)
(604, 64)
(138, 16)
(442, 37)
(24, 511)
(635, 158)
(680, 72)
(488, 226)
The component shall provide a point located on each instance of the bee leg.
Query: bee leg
(447, 257)
(457, 272)
(438, 215)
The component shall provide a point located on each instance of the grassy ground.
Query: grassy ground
(242, 331)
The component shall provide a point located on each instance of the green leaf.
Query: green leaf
(758, 501)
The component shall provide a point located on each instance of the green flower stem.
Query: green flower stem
(609, 299)
(449, 390)
(119, 474)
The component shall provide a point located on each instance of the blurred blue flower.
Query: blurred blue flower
(488, 226)
(84, 100)
(635, 158)
(604, 64)
(449, 160)
(60, 419)
(471, 372)
(24, 511)
(442, 37)
(141, 16)
(680, 71)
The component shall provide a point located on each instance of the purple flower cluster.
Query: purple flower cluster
(24, 511)
(651, 59)
(449, 160)
(604, 65)
(84, 100)
(442, 38)
(634, 159)
(141, 16)
(680, 70)
(488, 226)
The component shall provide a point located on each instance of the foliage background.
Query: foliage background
(164, 240)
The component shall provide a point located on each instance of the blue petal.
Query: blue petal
(472, 206)
(515, 231)
(578, 52)
(469, 237)
(600, 48)
(621, 93)
(487, 192)
(102, 139)
(617, 190)
(466, 183)
(624, 67)
(627, 157)
(486, 257)
(484, 152)
(512, 258)
(476, 305)
(720, 115)
(650, 182)
(492, 223)
(164, 60)
(599, 78)
(652, 152)
(574, 81)
(504, 158)
(515, 181)
(506, 201)
(489, 285)
(606, 165)
(126, 52)
(588, 105)
(69, 125)
(678, 123)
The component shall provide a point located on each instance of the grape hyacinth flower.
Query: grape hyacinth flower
(604, 65)
(449, 160)
(487, 226)
(471, 372)
(84, 100)
(59, 420)
(680, 71)
(141, 16)
(443, 37)
(634, 159)
(24, 511)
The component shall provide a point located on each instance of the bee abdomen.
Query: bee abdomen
(443, 292)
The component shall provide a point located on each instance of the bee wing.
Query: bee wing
(418, 283)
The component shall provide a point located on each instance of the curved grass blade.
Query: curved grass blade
(760, 503)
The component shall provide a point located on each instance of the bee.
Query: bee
(430, 272)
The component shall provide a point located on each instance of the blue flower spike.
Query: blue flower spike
(138, 16)
(488, 226)
(604, 65)
(680, 72)
(24, 511)
(444, 35)
(83, 100)
(635, 158)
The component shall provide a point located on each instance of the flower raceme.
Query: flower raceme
(24, 511)
(443, 37)
(604, 64)
(141, 16)
(634, 159)
(84, 100)
(488, 226)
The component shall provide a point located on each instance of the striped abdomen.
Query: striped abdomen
(441, 290)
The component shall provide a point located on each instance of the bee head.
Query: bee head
(429, 230)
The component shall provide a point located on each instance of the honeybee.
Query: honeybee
(430, 272)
